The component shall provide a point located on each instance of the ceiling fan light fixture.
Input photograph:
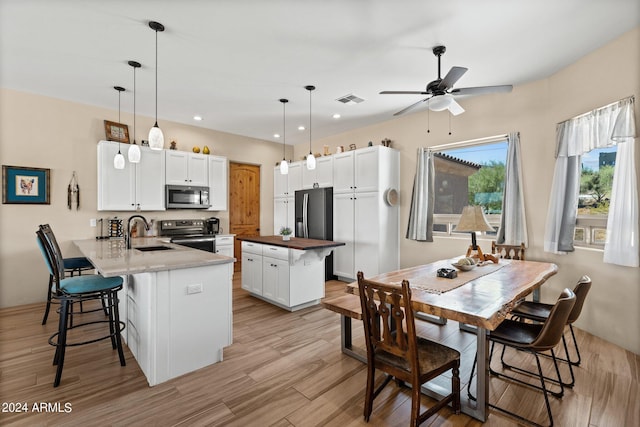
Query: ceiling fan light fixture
(118, 159)
(284, 166)
(134, 153)
(440, 102)
(156, 137)
(311, 160)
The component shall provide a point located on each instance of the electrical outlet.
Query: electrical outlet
(92, 222)
(194, 289)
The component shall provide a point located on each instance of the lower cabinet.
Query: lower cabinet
(289, 278)
(224, 244)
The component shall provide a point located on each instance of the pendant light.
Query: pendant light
(118, 160)
(134, 150)
(311, 161)
(156, 138)
(284, 166)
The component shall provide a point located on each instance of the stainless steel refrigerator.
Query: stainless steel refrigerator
(314, 219)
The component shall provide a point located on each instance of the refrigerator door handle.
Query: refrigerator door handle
(305, 219)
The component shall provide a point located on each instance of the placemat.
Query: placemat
(439, 285)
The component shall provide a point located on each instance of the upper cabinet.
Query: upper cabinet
(321, 176)
(184, 168)
(361, 170)
(218, 183)
(286, 185)
(136, 187)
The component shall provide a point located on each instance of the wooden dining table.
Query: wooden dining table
(482, 297)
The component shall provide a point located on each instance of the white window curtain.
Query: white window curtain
(612, 124)
(513, 223)
(420, 225)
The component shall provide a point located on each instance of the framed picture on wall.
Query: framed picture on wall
(116, 131)
(23, 185)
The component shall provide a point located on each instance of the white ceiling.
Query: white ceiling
(231, 60)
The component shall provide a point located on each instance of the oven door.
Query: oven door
(203, 243)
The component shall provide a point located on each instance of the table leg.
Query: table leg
(482, 377)
(346, 340)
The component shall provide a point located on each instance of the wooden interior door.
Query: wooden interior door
(244, 204)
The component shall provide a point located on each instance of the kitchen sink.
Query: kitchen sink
(153, 248)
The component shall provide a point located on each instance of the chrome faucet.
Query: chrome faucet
(127, 236)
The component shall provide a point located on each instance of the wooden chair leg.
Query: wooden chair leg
(368, 398)
(415, 404)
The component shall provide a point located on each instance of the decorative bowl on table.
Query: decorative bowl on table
(465, 264)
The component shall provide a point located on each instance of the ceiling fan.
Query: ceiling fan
(441, 90)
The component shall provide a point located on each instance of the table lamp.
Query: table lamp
(473, 219)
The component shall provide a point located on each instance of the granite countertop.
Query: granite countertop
(294, 243)
(111, 258)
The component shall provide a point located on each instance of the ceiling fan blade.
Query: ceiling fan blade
(481, 90)
(452, 77)
(410, 107)
(402, 92)
(455, 108)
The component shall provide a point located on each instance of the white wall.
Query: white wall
(50, 133)
(606, 75)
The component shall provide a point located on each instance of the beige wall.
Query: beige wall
(604, 76)
(37, 131)
(43, 132)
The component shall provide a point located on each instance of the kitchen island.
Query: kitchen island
(175, 302)
(286, 273)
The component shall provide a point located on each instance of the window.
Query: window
(596, 181)
(472, 174)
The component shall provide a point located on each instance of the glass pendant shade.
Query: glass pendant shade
(134, 153)
(118, 161)
(311, 162)
(156, 138)
(284, 167)
(440, 103)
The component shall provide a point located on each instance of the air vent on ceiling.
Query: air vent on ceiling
(350, 99)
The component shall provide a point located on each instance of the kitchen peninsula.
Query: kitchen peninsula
(286, 273)
(176, 302)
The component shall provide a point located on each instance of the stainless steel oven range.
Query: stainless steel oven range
(189, 232)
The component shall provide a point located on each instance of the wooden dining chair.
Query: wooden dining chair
(508, 251)
(394, 348)
(534, 338)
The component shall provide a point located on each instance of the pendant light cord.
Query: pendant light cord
(284, 130)
(156, 77)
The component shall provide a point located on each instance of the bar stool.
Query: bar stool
(79, 289)
(72, 266)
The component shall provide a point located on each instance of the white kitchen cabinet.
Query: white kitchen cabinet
(286, 185)
(283, 213)
(224, 244)
(321, 176)
(218, 183)
(184, 168)
(252, 268)
(139, 186)
(275, 280)
(363, 219)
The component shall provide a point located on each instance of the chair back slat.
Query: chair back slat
(581, 290)
(388, 319)
(553, 327)
(55, 254)
(44, 251)
(508, 251)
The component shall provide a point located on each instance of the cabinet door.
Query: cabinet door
(343, 231)
(198, 169)
(294, 182)
(366, 232)
(366, 169)
(280, 213)
(282, 281)
(218, 183)
(269, 278)
(252, 273)
(177, 167)
(309, 177)
(149, 180)
(116, 187)
(280, 183)
(324, 171)
(343, 172)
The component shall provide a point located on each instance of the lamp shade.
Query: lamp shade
(473, 219)
(156, 138)
(440, 102)
(284, 167)
(311, 162)
(134, 153)
(118, 161)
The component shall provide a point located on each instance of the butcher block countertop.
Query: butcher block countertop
(294, 243)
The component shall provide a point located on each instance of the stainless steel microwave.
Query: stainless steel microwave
(187, 197)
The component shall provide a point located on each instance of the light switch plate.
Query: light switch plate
(194, 289)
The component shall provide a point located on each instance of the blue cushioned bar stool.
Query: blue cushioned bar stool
(79, 289)
(72, 266)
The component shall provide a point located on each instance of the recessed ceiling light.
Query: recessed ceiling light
(301, 127)
(276, 135)
(336, 116)
(197, 118)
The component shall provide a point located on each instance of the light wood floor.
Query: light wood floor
(284, 369)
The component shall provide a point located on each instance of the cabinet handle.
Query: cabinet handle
(249, 259)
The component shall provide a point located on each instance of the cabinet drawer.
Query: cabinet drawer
(276, 252)
(224, 240)
(254, 248)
